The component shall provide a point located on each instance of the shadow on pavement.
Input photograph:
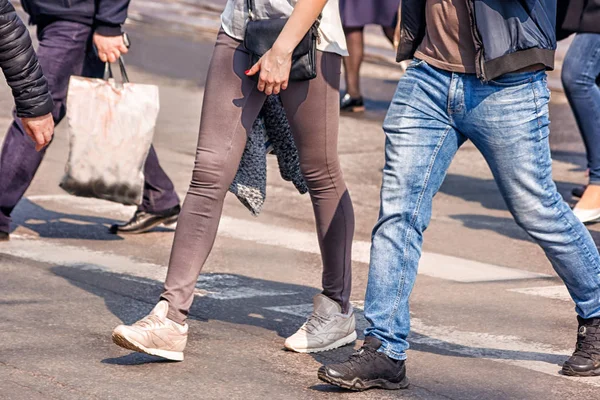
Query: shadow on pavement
(273, 306)
(53, 224)
(485, 191)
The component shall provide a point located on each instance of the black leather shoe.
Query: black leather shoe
(350, 104)
(4, 236)
(585, 361)
(143, 221)
(578, 191)
(366, 369)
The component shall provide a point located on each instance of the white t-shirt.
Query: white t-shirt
(333, 40)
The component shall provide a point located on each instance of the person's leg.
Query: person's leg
(509, 124)
(61, 54)
(352, 101)
(312, 108)
(580, 72)
(313, 113)
(159, 191)
(389, 33)
(231, 104)
(420, 143)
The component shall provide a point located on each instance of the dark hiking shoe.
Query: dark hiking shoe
(351, 104)
(578, 191)
(143, 221)
(4, 236)
(585, 361)
(366, 369)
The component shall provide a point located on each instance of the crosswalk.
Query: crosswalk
(510, 350)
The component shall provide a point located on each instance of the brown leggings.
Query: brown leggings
(231, 104)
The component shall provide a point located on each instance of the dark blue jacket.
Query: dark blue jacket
(509, 35)
(106, 16)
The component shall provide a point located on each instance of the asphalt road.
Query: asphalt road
(491, 320)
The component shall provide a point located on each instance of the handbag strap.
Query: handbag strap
(109, 74)
(251, 8)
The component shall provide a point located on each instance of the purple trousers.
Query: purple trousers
(65, 49)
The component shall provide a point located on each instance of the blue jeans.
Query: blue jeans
(65, 50)
(580, 76)
(432, 114)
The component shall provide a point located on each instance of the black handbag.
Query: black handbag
(261, 34)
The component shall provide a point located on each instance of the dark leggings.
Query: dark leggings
(231, 104)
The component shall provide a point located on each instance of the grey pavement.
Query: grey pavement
(491, 320)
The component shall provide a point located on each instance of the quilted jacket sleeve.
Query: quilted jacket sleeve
(20, 66)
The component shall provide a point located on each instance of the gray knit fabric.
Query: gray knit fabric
(250, 183)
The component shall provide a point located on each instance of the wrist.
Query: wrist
(108, 30)
(281, 48)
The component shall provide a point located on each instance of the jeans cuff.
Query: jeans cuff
(391, 353)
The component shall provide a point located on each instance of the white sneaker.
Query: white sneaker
(154, 334)
(587, 216)
(326, 329)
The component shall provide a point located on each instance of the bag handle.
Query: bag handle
(251, 8)
(109, 74)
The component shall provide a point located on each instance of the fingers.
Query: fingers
(113, 56)
(40, 130)
(255, 69)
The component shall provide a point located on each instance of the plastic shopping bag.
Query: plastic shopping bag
(111, 126)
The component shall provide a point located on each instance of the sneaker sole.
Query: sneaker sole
(571, 372)
(129, 344)
(358, 385)
(339, 343)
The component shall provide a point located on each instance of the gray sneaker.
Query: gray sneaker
(326, 329)
(154, 334)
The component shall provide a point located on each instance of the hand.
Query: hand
(274, 68)
(110, 48)
(40, 129)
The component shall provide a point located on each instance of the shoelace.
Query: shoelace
(365, 354)
(314, 322)
(149, 322)
(588, 342)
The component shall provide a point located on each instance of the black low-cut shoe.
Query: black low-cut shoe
(351, 104)
(585, 361)
(143, 221)
(578, 191)
(366, 369)
(4, 236)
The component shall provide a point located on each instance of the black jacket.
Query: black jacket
(578, 16)
(20, 66)
(106, 16)
(509, 34)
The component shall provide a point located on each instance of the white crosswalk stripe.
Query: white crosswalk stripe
(432, 264)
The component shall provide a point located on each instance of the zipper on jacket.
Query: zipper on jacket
(479, 61)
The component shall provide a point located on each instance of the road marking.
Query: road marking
(498, 348)
(550, 292)
(214, 286)
(512, 350)
(432, 264)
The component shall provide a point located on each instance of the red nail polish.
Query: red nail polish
(247, 71)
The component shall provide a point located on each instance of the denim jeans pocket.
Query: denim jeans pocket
(513, 79)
